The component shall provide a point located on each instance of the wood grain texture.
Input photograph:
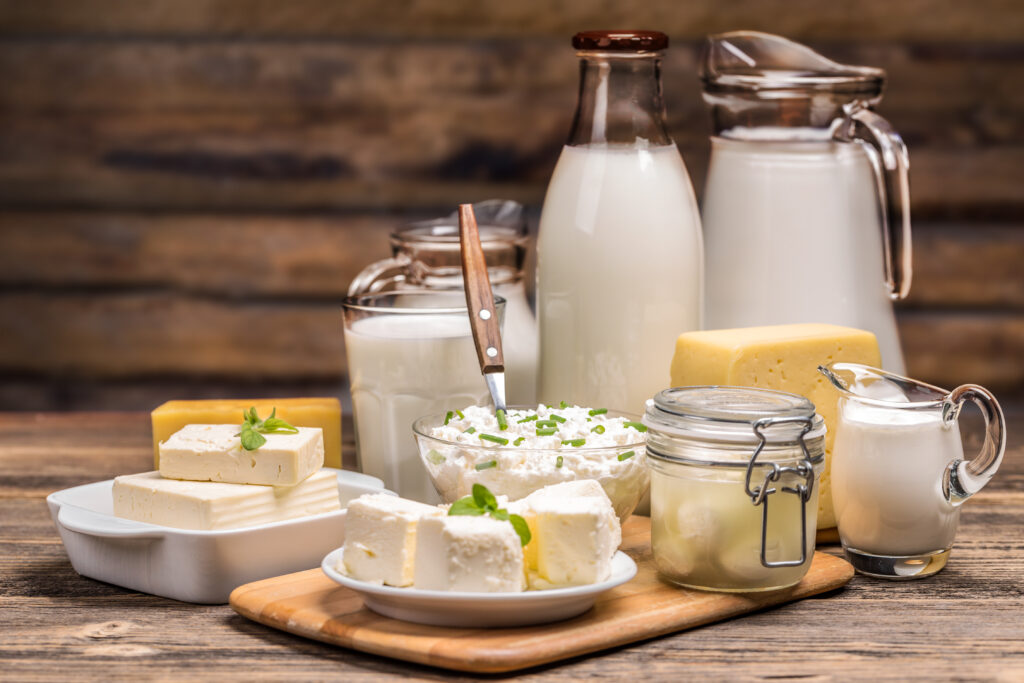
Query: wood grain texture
(963, 623)
(806, 19)
(311, 605)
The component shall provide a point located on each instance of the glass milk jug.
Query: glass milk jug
(426, 256)
(806, 208)
(619, 253)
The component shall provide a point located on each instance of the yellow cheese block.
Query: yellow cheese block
(324, 413)
(780, 357)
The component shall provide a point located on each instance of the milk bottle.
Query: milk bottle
(620, 261)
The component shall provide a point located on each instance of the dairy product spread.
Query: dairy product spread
(380, 538)
(213, 452)
(476, 554)
(537, 448)
(324, 413)
(780, 357)
(207, 505)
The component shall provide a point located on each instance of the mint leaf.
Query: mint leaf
(501, 515)
(251, 439)
(521, 527)
(484, 498)
(275, 425)
(465, 506)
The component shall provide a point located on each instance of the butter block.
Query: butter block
(201, 452)
(472, 554)
(324, 413)
(206, 505)
(575, 533)
(780, 357)
(380, 538)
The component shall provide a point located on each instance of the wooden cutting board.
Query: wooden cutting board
(311, 605)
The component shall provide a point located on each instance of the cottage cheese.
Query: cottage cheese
(460, 458)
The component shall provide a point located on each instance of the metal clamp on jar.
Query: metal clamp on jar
(734, 486)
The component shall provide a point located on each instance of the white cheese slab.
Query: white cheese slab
(200, 452)
(206, 505)
(471, 554)
(380, 538)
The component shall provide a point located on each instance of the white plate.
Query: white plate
(481, 610)
(192, 565)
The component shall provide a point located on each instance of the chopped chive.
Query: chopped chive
(532, 418)
(486, 465)
(546, 423)
(448, 417)
(574, 442)
(597, 411)
(599, 429)
(546, 431)
(471, 430)
(460, 414)
(496, 439)
(638, 426)
(435, 458)
(502, 422)
(519, 441)
(626, 456)
(558, 461)
(563, 404)
(556, 418)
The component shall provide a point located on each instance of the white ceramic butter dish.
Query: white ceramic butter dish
(191, 565)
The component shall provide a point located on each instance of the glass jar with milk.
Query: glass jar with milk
(619, 252)
(426, 256)
(806, 207)
(898, 471)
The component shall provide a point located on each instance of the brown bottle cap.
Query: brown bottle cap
(620, 41)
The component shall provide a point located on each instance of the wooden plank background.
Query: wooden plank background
(188, 186)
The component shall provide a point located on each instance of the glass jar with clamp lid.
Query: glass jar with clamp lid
(734, 486)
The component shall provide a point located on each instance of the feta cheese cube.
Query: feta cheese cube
(474, 554)
(213, 452)
(380, 538)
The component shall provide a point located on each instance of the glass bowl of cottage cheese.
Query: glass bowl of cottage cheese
(526, 449)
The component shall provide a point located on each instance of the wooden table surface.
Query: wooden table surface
(967, 622)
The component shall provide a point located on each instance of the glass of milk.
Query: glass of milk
(898, 471)
(409, 354)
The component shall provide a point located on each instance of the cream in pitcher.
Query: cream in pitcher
(898, 473)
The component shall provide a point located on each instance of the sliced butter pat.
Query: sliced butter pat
(202, 452)
(780, 357)
(324, 413)
(472, 554)
(206, 505)
(380, 538)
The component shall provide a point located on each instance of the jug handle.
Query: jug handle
(964, 478)
(891, 165)
(377, 276)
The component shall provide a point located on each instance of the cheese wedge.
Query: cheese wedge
(324, 413)
(780, 357)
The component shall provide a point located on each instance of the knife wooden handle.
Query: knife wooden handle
(483, 316)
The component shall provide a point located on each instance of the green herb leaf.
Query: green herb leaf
(483, 496)
(253, 428)
(502, 422)
(521, 527)
(599, 429)
(556, 418)
(466, 506)
(519, 441)
(559, 461)
(598, 411)
(251, 439)
(546, 431)
(563, 404)
(638, 426)
(448, 417)
(626, 456)
(532, 418)
(495, 439)
(573, 442)
(501, 515)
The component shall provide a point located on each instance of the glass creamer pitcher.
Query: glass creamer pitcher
(898, 469)
(426, 256)
(806, 208)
